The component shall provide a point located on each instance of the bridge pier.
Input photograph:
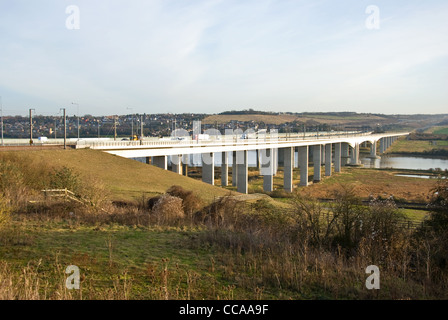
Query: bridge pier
(242, 165)
(303, 165)
(337, 157)
(176, 164)
(354, 160)
(224, 169)
(185, 162)
(288, 164)
(317, 160)
(345, 153)
(267, 165)
(275, 162)
(208, 168)
(328, 159)
(160, 161)
(258, 151)
(322, 154)
(373, 148)
(234, 170)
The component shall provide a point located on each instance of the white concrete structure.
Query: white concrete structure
(333, 151)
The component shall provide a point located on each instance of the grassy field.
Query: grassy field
(438, 130)
(157, 263)
(367, 182)
(404, 146)
(248, 250)
(125, 179)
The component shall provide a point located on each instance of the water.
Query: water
(414, 176)
(411, 163)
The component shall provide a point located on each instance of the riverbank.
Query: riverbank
(421, 145)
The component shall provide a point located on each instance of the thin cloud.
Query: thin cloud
(209, 56)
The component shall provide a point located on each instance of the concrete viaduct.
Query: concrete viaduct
(331, 151)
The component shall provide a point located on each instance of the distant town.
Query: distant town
(159, 125)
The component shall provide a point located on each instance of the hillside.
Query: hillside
(126, 179)
(321, 118)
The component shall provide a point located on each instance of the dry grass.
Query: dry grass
(178, 248)
(124, 179)
(376, 183)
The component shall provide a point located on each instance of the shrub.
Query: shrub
(152, 202)
(223, 210)
(65, 178)
(190, 201)
(168, 209)
(432, 236)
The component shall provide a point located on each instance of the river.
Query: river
(405, 162)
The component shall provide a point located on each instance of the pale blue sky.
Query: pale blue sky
(179, 56)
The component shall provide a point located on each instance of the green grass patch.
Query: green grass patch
(417, 216)
(441, 130)
(148, 258)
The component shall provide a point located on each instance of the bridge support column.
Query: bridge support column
(208, 168)
(373, 151)
(224, 169)
(234, 170)
(345, 153)
(176, 165)
(160, 161)
(267, 169)
(317, 160)
(328, 159)
(303, 165)
(337, 157)
(322, 154)
(258, 151)
(185, 162)
(242, 165)
(275, 158)
(295, 157)
(288, 164)
(354, 161)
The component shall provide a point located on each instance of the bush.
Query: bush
(65, 178)
(432, 236)
(168, 209)
(152, 202)
(190, 201)
(223, 210)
